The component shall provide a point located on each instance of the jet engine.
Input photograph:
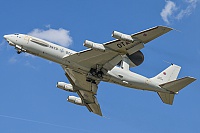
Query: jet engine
(137, 58)
(95, 46)
(75, 100)
(123, 37)
(65, 86)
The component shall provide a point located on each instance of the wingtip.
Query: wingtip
(166, 28)
(192, 78)
(170, 28)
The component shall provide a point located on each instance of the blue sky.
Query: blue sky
(30, 101)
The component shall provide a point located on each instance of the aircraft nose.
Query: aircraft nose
(8, 38)
(5, 36)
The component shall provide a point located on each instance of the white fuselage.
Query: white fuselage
(56, 53)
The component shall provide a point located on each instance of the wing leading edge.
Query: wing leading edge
(109, 58)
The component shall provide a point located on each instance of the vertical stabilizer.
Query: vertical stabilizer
(169, 74)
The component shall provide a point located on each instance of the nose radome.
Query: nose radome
(5, 36)
(8, 38)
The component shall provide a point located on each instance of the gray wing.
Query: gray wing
(86, 90)
(114, 49)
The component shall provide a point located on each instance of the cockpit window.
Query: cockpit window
(16, 34)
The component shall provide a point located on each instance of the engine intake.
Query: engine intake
(65, 86)
(75, 100)
(123, 37)
(95, 46)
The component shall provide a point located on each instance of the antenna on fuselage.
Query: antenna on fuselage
(168, 62)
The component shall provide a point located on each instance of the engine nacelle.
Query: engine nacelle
(123, 37)
(65, 86)
(75, 100)
(95, 46)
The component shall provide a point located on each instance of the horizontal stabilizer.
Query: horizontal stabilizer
(174, 86)
(177, 85)
(166, 97)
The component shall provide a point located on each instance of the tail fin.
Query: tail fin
(169, 74)
(174, 87)
(167, 80)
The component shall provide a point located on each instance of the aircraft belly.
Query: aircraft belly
(132, 80)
